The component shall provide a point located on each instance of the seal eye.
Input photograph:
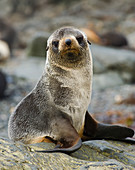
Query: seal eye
(80, 39)
(55, 44)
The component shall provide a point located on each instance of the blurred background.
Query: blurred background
(110, 26)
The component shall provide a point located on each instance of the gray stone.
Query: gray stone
(126, 76)
(29, 68)
(105, 80)
(131, 39)
(98, 67)
(118, 60)
(4, 51)
(37, 45)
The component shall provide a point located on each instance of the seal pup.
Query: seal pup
(56, 109)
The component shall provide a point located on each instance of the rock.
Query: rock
(130, 100)
(114, 39)
(126, 76)
(4, 51)
(98, 67)
(3, 84)
(26, 8)
(104, 105)
(111, 38)
(106, 80)
(37, 45)
(97, 154)
(118, 60)
(7, 33)
(30, 69)
(131, 39)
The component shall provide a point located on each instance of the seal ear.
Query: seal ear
(47, 48)
(89, 42)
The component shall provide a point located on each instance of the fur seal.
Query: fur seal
(56, 109)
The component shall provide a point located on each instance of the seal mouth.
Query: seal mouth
(71, 55)
(73, 50)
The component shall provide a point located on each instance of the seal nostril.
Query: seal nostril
(68, 41)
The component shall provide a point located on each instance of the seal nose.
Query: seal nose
(68, 41)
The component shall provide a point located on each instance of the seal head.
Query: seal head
(68, 47)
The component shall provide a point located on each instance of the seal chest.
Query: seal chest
(71, 95)
(69, 72)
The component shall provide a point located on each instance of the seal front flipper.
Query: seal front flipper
(96, 130)
(69, 150)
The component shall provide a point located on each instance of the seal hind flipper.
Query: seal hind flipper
(96, 130)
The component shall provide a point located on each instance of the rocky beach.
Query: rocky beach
(113, 97)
